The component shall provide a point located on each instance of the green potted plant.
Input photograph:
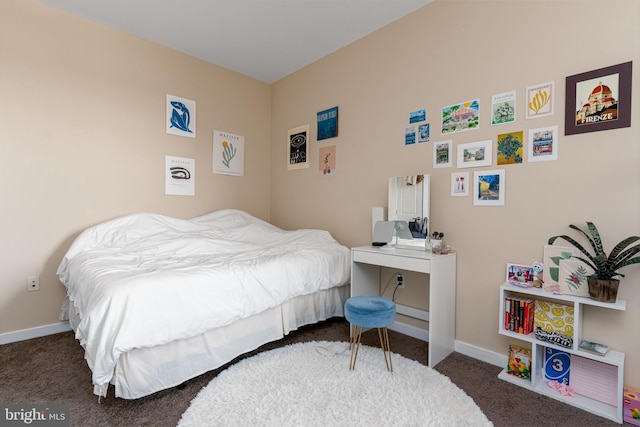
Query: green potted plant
(603, 284)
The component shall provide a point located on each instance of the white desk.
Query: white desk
(365, 280)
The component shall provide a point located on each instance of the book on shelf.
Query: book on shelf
(519, 315)
(519, 362)
(594, 347)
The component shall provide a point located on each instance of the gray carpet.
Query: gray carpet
(52, 370)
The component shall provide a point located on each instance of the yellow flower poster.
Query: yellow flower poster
(540, 99)
(228, 153)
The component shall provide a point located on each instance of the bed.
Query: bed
(155, 300)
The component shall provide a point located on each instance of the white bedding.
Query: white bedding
(145, 280)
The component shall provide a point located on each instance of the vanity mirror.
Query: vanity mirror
(409, 201)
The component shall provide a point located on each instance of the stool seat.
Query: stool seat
(370, 311)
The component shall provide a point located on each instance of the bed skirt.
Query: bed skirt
(144, 371)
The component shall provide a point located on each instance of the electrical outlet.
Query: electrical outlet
(400, 281)
(33, 283)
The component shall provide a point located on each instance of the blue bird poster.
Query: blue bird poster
(181, 116)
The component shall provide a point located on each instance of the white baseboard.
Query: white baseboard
(481, 354)
(473, 351)
(411, 331)
(38, 331)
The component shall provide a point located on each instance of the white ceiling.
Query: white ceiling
(264, 39)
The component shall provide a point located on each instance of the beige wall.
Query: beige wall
(449, 52)
(82, 140)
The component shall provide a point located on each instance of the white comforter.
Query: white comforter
(146, 279)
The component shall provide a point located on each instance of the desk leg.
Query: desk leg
(442, 309)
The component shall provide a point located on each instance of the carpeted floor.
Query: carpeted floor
(52, 370)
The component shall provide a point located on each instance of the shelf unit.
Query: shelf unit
(538, 383)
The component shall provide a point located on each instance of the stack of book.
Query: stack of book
(519, 315)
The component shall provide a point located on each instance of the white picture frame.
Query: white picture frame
(543, 144)
(475, 154)
(489, 187)
(180, 176)
(460, 184)
(442, 154)
(228, 153)
(298, 148)
(180, 116)
(540, 99)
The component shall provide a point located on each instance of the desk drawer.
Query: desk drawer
(421, 265)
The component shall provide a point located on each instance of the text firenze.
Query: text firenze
(594, 119)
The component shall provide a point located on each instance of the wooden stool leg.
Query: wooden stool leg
(383, 333)
(355, 345)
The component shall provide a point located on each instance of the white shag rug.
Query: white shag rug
(309, 384)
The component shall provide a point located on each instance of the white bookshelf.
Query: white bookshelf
(538, 383)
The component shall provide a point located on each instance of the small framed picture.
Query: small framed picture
(298, 148)
(489, 188)
(540, 99)
(598, 100)
(424, 133)
(475, 154)
(509, 148)
(543, 144)
(460, 184)
(442, 154)
(520, 275)
(181, 116)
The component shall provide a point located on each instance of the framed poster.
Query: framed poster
(540, 99)
(503, 108)
(442, 154)
(418, 116)
(475, 154)
(327, 161)
(598, 100)
(552, 257)
(509, 150)
(298, 148)
(520, 275)
(460, 184)
(181, 116)
(423, 132)
(327, 123)
(410, 135)
(460, 117)
(180, 176)
(489, 188)
(543, 144)
(228, 153)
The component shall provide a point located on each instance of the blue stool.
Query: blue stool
(367, 311)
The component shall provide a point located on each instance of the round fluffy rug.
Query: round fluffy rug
(309, 384)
